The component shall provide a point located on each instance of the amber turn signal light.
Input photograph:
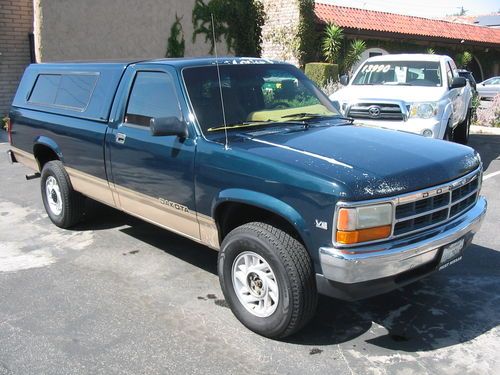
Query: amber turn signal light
(363, 235)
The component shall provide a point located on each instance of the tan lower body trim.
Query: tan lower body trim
(190, 224)
(209, 234)
(93, 187)
(25, 158)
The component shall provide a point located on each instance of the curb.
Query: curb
(476, 129)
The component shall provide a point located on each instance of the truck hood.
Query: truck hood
(369, 163)
(408, 94)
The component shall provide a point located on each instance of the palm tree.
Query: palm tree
(331, 43)
(353, 55)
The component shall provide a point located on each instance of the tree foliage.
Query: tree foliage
(463, 59)
(307, 36)
(175, 43)
(239, 22)
(332, 43)
(353, 55)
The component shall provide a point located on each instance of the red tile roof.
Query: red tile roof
(354, 18)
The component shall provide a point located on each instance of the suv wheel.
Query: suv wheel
(267, 278)
(461, 134)
(63, 205)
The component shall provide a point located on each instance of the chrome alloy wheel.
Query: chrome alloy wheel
(255, 284)
(53, 194)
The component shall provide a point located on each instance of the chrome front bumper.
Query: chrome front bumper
(384, 260)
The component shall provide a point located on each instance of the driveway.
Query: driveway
(120, 296)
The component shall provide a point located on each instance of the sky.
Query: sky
(423, 8)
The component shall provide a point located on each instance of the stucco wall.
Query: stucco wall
(16, 22)
(109, 29)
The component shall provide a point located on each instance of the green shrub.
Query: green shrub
(175, 43)
(321, 73)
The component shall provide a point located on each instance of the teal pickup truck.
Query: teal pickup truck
(250, 158)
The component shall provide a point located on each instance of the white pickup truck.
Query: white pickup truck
(415, 93)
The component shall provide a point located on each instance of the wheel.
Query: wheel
(461, 134)
(64, 206)
(267, 279)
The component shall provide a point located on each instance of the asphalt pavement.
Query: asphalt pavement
(119, 296)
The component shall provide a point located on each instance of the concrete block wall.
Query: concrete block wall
(279, 30)
(16, 23)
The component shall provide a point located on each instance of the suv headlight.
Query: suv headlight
(424, 110)
(365, 223)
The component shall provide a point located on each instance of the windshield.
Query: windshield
(407, 73)
(253, 94)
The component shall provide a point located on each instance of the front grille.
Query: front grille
(435, 206)
(385, 111)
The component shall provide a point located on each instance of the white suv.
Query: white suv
(414, 93)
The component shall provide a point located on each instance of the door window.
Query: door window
(153, 96)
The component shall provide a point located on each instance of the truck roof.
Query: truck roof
(209, 60)
(89, 87)
(409, 57)
(177, 62)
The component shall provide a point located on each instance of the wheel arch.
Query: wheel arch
(45, 150)
(247, 206)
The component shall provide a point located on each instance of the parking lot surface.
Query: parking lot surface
(116, 295)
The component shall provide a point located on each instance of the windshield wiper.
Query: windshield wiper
(245, 124)
(350, 119)
(305, 115)
(317, 115)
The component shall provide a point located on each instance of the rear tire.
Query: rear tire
(64, 205)
(267, 279)
(461, 134)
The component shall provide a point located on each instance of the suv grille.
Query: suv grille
(447, 203)
(376, 111)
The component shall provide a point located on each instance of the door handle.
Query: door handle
(120, 138)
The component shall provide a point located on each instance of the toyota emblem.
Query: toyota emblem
(374, 111)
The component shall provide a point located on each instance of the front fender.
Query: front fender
(265, 202)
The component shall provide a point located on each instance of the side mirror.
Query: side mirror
(163, 126)
(344, 79)
(336, 104)
(458, 82)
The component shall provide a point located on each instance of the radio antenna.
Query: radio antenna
(220, 84)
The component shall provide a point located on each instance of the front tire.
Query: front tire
(64, 205)
(267, 279)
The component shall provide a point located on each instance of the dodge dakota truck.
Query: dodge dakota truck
(249, 157)
(417, 93)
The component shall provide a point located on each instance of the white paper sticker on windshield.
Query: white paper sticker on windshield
(401, 74)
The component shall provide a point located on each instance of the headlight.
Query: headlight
(424, 110)
(427, 133)
(366, 223)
